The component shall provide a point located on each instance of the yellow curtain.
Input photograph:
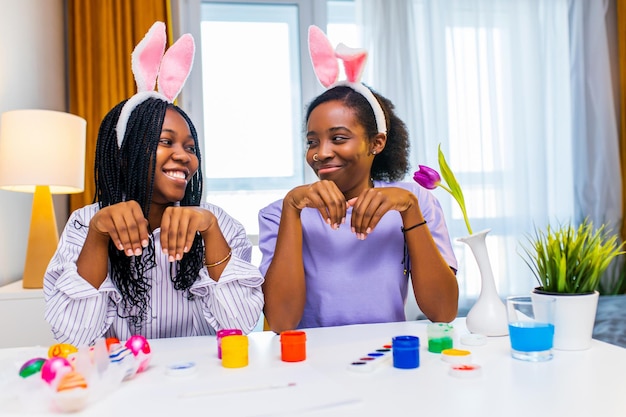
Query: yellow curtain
(621, 41)
(101, 38)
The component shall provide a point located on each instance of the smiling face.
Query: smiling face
(176, 160)
(343, 150)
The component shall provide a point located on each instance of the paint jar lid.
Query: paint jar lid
(405, 342)
(465, 371)
(473, 339)
(181, 369)
(228, 332)
(438, 330)
(292, 336)
(456, 356)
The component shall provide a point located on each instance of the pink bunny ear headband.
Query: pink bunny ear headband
(326, 67)
(149, 61)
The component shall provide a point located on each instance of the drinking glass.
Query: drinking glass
(531, 327)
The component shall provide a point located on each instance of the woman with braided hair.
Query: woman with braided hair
(148, 256)
(347, 248)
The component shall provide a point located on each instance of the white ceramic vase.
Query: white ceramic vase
(574, 318)
(488, 315)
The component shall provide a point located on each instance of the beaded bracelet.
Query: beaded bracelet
(221, 261)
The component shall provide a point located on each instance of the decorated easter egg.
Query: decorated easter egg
(111, 341)
(71, 380)
(71, 400)
(53, 367)
(122, 356)
(119, 354)
(31, 367)
(72, 393)
(138, 344)
(62, 350)
(141, 349)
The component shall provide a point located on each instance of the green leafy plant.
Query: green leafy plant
(571, 260)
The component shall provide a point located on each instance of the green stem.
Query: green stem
(467, 224)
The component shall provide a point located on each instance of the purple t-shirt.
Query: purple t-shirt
(351, 281)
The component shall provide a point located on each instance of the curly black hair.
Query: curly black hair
(392, 164)
(127, 173)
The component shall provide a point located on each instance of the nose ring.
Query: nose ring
(315, 158)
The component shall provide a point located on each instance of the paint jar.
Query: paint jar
(223, 333)
(235, 351)
(440, 336)
(293, 346)
(406, 352)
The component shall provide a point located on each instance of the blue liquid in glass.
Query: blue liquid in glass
(531, 337)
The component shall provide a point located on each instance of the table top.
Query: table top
(579, 383)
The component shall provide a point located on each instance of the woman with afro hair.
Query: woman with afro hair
(341, 250)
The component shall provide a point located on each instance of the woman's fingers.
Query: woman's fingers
(179, 226)
(125, 224)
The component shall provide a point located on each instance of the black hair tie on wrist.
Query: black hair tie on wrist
(405, 259)
(413, 227)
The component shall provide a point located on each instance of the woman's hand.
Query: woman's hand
(372, 204)
(323, 196)
(179, 226)
(125, 224)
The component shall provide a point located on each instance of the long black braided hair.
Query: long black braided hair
(127, 173)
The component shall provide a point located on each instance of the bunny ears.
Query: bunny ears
(326, 67)
(150, 61)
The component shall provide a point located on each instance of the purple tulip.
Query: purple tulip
(427, 177)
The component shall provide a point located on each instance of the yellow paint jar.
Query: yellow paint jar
(235, 351)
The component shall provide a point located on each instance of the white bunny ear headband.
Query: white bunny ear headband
(149, 62)
(326, 67)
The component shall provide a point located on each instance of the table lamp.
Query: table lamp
(41, 151)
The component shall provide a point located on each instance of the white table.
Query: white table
(584, 383)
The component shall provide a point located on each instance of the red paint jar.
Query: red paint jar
(293, 346)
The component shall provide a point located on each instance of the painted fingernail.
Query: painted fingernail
(144, 243)
(137, 252)
(129, 252)
(343, 220)
(368, 231)
(178, 257)
(170, 258)
(353, 229)
(328, 222)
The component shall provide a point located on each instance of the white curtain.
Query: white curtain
(524, 114)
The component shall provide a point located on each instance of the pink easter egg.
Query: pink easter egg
(53, 367)
(138, 344)
(141, 349)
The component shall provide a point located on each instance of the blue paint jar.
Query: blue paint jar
(406, 352)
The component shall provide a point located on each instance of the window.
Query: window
(253, 107)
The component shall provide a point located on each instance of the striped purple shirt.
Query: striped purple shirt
(80, 313)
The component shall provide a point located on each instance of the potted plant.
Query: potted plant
(568, 263)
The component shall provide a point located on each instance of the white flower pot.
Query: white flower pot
(575, 315)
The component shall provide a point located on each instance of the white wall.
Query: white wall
(32, 75)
